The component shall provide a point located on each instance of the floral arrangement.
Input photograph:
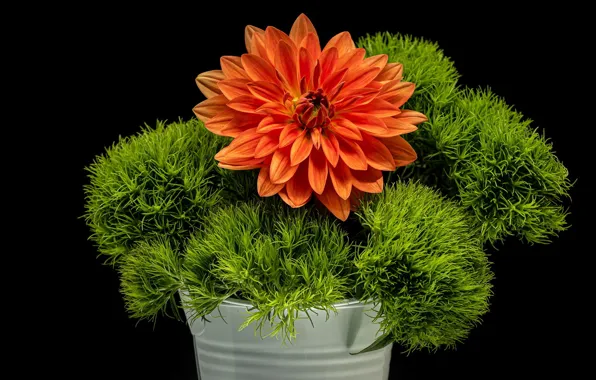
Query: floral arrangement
(391, 180)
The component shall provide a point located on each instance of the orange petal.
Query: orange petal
(377, 107)
(301, 149)
(232, 67)
(266, 91)
(396, 127)
(280, 169)
(333, 80)
(233, 88)
(207, 82)
(271, 123)
(352, 154)
(298, 187)
(367, 122)
(274, 108)
(361, 77)
(391, 71)
(239, 167)
(258, 46)
(338, 207)
(210, 107)
(285, 64)
(265, 187)
(306, 64)
(289, 134)
(397, 93)
(240, 123)
(341, 179)
(330, 147)
(315, 135)
(346, 129)
(376, 61)
(311, 43)
(302, 26)
(217, 123)
(258, 69)
(377, 154)
(317, 171)
(401, 150)
(272, 38)
(352, 58)
(328, 63)
(343, 42)
(370, 180)
(267, 144)
(411, 117)
(249, 33)
(283, 194)
(245, 103)
(241, 148)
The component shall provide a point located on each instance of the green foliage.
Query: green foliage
(156, 184)
(281, 260)
(503, 171)
(150, 278)
(423, 266)
(477, 149)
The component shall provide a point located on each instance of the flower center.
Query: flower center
(313, 110)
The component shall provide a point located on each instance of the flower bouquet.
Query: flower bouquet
(337, 198)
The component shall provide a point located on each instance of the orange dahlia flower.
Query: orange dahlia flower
(323, 122)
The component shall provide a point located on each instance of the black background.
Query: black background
(126, 67)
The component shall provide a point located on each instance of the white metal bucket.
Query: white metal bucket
(319, 352)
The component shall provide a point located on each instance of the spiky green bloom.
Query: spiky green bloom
(424, 267)
(156, 184)
(150, 278)
(279, 259)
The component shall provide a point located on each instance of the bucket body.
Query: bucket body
(319, 352)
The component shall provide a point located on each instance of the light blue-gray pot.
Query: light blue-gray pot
(319, 352)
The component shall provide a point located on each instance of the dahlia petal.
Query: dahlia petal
(342, 41)
(241, 148)
(370, 180)
(366, 122)
(338, 207)
(402, 152)
(274, 108)
(285, 64)
(330, 147)
(377, 154)
(272, 38)
(306, 66)
(361, 77)
(334, 93)
(316, 74)
(315, 135)
(233, 88)
(312, 45)
(283, 194)
(208, 108)
(258, 46)
(341, 179)
(239, 167)
(217, 123)
(351, 59)
(232, 67)
(397, 93)
(379, 61)
(249, 33)
(377, 107)
(298, 188)
(333, 80)
(391, 71)
(301, 149)
(271, 123)
(317, 171)
(411, 117)
(396, 127)
(265, 187)
(207, 82)
(258, 69)
(355, 97)
(240, 123)
(245, 103)
(280, 169)
(352, 154)
(267, 144)
(346, 129)
(328, 63)
(289, 134)
(301, 28)
(266, 91)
